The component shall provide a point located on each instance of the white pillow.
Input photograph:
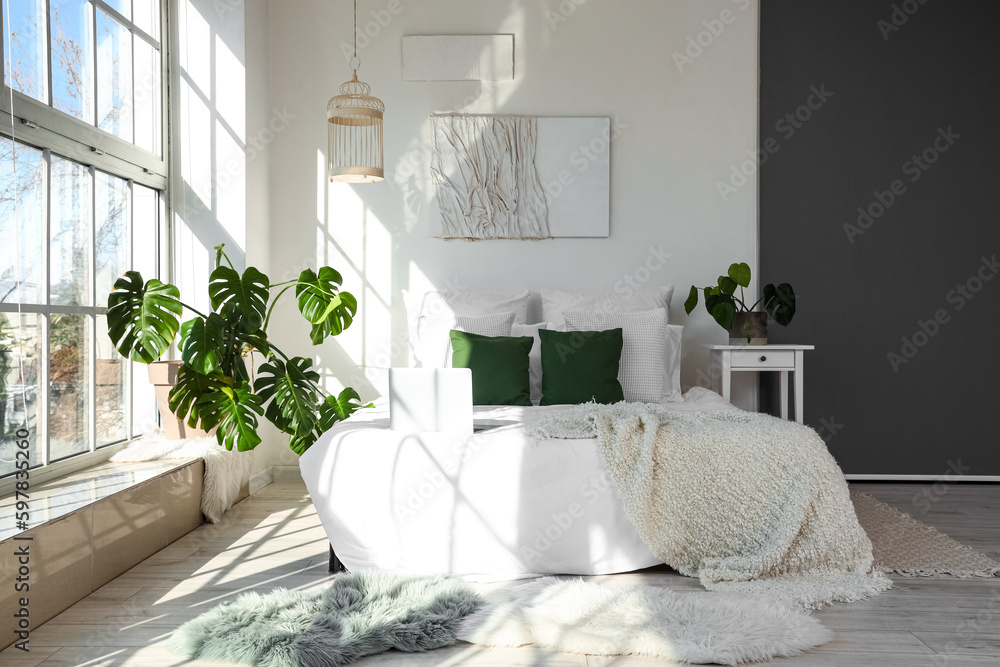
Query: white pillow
(644, 336)
(448, 305)
(672, 364)
(435, 334)
(554, 302)
(534, 357)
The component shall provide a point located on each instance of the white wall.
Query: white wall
(682, 130)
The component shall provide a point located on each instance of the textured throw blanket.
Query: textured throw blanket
(743, 501)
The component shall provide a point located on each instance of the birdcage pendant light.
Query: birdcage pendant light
(354, 128)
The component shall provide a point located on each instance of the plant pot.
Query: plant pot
(749, 329)
(163, 377)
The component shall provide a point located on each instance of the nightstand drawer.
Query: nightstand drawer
(749, 359)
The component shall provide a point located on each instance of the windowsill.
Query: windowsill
(56, 471)
(70, 492)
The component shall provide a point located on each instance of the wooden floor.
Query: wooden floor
(274, 539)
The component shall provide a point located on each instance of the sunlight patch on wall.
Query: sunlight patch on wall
(191, 274)
(230, 89)
(196, 135)
(195, 37)
(230, 185)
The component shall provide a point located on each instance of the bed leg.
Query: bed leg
(336, 567)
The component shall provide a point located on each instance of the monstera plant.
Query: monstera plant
(215, 388)
(731, 311)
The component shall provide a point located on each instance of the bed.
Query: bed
(496, 505)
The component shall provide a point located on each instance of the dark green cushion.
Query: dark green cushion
(581, 366)
(499, 367)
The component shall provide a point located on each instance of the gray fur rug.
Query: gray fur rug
(359, 614)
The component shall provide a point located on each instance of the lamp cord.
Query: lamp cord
(355, 28)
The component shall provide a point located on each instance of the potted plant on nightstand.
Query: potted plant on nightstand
(214, 388)
(744, 324)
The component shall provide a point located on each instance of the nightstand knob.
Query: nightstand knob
(763, 358)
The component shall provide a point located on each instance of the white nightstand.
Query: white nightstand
(782, 358)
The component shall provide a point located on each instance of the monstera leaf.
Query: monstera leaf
(779, 302)
(235, 410)
(203, 343)
(143, 318)
(190, 388)
(339, 408)
(322, 303)
(291, 389)
(247, 295)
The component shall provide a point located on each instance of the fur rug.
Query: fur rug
(581, 617)
(359, 614)
(746, 502)
(225, 471)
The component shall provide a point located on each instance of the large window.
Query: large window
(82, 179)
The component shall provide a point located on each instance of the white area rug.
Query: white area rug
(225, 471)
(903, 545)
(581, 617)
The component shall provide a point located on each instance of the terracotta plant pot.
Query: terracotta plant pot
(738, 333)
(163, 377)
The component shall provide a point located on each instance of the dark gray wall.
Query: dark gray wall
(905, 78)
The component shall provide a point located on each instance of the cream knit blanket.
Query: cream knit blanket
(743, 501)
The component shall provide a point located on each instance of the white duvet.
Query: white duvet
(495, 505)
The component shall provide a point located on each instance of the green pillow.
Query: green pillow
(499, 367)
(581, 366)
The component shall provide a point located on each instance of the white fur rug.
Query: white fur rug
(580, 617)
(225, 471)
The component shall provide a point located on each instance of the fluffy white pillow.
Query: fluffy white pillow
(534, 357)
(448, 305)
(672, 364)
(435, 334)
(644, 338)
(554, 302)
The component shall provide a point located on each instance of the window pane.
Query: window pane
(27, 46)
(19, 399)
(111, 212)
(147, 96)
(114, 76)
(146, 15)
(22, 227)
(111, 388)
(123, 7)
(70, 252)
(73, 58)
(69, 385)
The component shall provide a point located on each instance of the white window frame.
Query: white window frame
(44, 127)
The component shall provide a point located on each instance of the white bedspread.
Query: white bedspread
(496, 505)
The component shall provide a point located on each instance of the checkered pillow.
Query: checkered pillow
(643, 347)
(435, 339)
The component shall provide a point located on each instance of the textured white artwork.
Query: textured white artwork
(483, 168)
(521, 177)
(458, 58)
